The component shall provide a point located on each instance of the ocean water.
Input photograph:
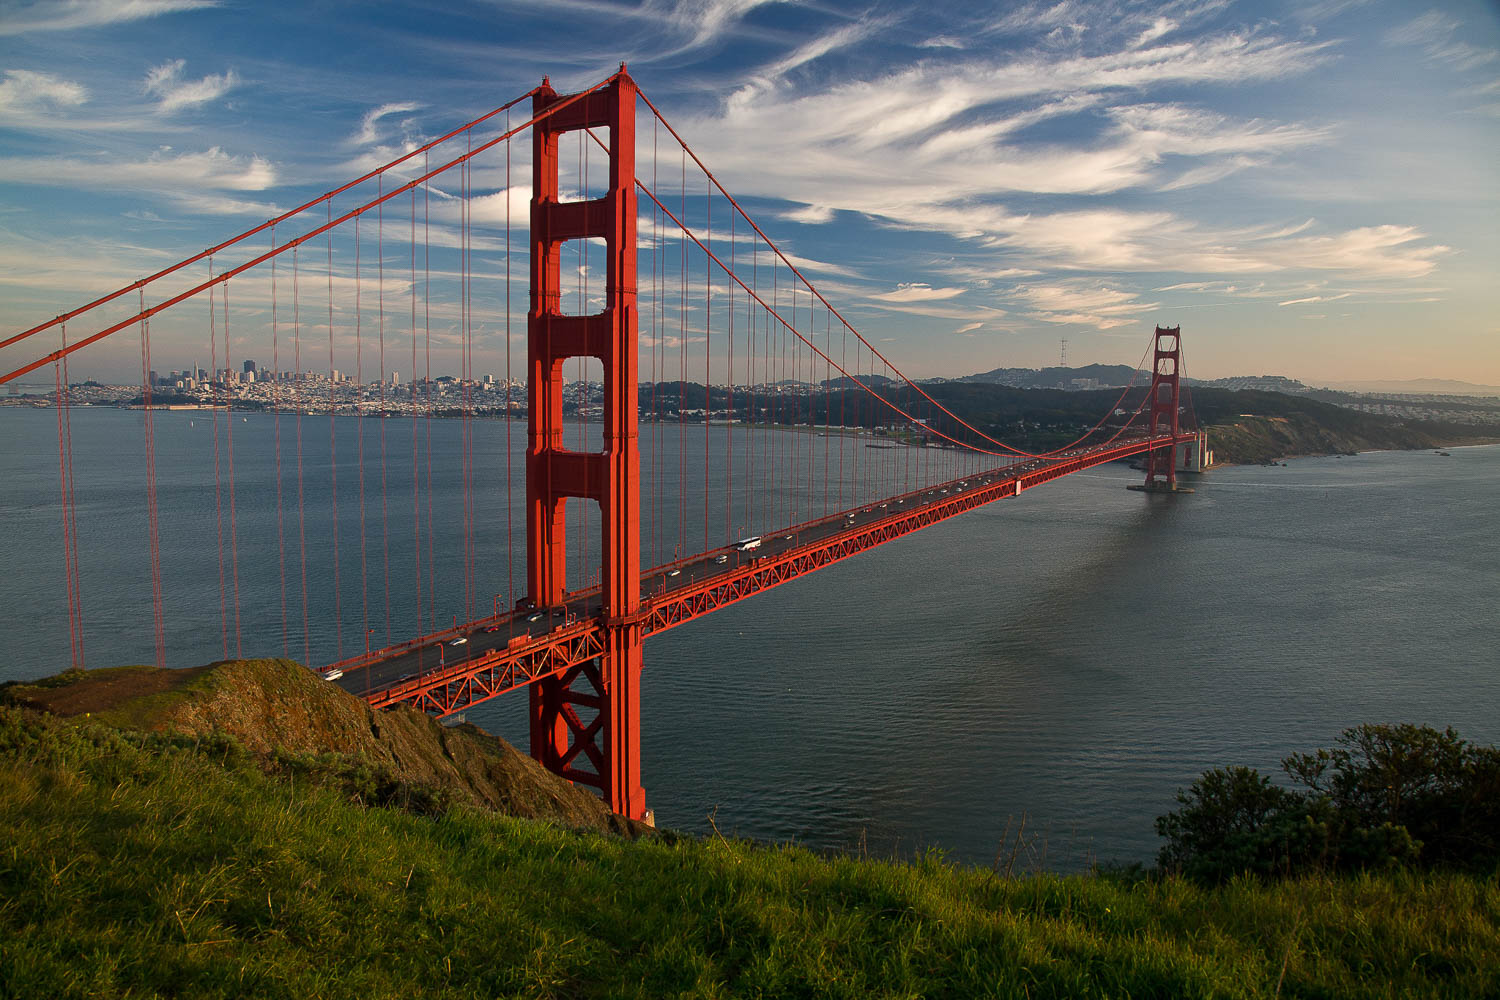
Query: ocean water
(1070, 658)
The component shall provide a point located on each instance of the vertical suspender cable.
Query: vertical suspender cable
(729, 424)
(301, 486)
(682, 335)
(213, 363)
(333, 452)
(281, 526)
(234, 536)
(71, 511)
(510, 561)
(385, 522)
(416, 505)
(152, 525)
(276, 434)
(69, 527)
(359, 439)
(427, 383)
(708, 349)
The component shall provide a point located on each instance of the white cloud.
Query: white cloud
(967, 327)
(1435, 34)
(849, 34)
(706, 20)
(920, 145)
(212, 169)
(1081, 302)
(917, 292)
(367, 132)
(1315, 298)
(165, 82)
(211, 204)
(60, 15)
(1161, 26)
(1384, 251)
(24, 92)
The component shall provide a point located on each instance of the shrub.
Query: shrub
(1386, 796)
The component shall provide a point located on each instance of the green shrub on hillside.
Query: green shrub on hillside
(1386, 796)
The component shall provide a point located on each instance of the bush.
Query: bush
(1386, 796)
(1443, 790)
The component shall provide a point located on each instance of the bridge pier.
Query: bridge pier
(590, 713)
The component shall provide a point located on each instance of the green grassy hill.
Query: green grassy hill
(149, 863)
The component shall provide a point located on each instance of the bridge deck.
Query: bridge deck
(508, 651)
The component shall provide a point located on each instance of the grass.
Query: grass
(146, 865)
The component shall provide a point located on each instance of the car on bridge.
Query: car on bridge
(746, 544)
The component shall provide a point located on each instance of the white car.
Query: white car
(674, 572)
(721, 559)
(333, 675)
(459, 641)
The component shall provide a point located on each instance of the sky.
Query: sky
(1308, 188)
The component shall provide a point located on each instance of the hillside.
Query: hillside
(1245, 426)
(277, 709)
(149, 864)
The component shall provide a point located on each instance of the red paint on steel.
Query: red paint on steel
(610, 685)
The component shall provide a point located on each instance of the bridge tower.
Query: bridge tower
(1161, 464)
(608, 685)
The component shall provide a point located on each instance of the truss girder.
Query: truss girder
(577, 646)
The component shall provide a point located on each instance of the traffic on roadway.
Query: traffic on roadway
(499, 632)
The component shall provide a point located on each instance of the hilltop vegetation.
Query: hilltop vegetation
(289, 718)
(159, 862)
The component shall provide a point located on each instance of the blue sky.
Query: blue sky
(1308, 188)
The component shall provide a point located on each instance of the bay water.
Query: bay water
(1069, 658)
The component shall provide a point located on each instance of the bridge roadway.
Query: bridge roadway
(447, 671)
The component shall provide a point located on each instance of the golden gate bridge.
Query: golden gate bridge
(705, 292)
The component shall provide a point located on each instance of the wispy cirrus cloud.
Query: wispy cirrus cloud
(1315, 298)
(928, 136)
(23, 93)
(162, 171)
(174, 93)
(63, 15)
(917, 292)
(368, 131)
(1081, 301)
(1437, 35)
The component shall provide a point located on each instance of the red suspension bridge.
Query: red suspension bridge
(725, 425)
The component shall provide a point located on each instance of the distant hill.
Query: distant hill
(845, 382)
(1104, 376)
(1056, 377)
(1419, 387)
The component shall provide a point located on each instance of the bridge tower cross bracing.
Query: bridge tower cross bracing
(1166, 402)
(610, 684)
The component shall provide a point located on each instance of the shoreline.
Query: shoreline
(1486, 442)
